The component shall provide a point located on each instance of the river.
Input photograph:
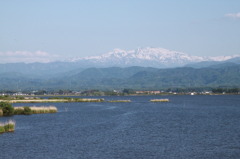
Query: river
(186, 127)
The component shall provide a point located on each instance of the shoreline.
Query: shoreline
(71, 100)
(68, 99)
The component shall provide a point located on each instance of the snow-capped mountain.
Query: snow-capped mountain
(148, 57)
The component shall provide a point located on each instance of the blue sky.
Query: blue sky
(68, 28)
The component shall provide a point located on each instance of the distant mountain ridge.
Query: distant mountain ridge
(143, 57)
(232, 61)
(145, 68)
(148, 57)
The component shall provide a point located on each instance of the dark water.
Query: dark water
(187, 127)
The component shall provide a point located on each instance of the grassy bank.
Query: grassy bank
(34, 110)
(7, 126)
(85, 100)
(53, 100)
(159, 100)
(38, 101)
(6, 109)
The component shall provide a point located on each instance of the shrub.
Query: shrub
(22, 111)
(5, 97)
(1, 112)
(18, 111)
(9, 126)
(7, 108)
(27, 111)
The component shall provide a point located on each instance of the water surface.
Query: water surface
(187, 127)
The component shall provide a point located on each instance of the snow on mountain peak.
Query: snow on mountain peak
(148, 57)
(223, 58)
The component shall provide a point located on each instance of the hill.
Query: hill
(222, 75)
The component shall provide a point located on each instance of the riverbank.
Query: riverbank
(6, 109)
(34, 110)
(57, 100)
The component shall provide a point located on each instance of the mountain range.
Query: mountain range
(143, 57)
(147, 57)
(142, 69)
(139, 78)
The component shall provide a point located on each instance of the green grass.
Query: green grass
(7, 126)
(2, 129)
(34, 110)
(22, 111)
(54, 100)
(18, 111)
(42, 109)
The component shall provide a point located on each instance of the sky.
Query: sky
(46, 30)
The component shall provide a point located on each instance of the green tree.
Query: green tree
(27, 111)
(218, 90)
(7, 108)
(128, 91)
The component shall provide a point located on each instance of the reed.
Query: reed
(43, 109)
(39, 101)
(34, 110)
(7, 126)
(85, 100)
(37, 110)
(159, 100)
(22, 111)
(56, 100)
